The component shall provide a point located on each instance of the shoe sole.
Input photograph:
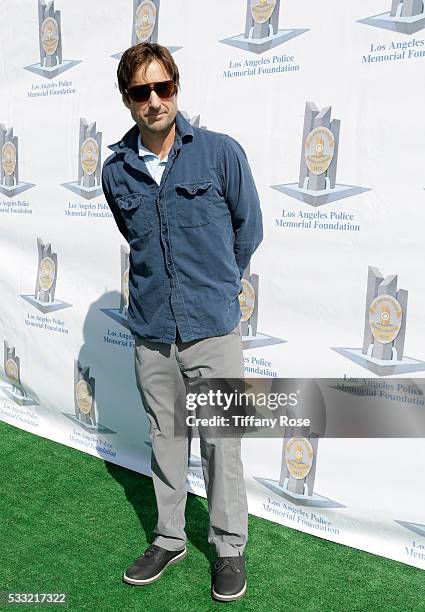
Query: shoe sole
(135, 582)
(234, 597)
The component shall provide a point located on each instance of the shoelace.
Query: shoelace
(151, 550)
(221, 563)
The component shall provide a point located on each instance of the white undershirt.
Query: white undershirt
(154, 165)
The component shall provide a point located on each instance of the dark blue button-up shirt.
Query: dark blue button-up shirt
(190, 238)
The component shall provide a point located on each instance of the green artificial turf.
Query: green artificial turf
(72, 523)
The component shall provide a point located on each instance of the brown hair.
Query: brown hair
(143, 54)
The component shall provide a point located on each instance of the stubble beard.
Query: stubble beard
(157, 127)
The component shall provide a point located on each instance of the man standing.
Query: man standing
(185, 200)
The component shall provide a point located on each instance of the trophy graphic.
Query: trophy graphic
(12, 368)
(262, 28)
(414, 527)
(248, 300)
(45, 284)
(120, 314)
(405, 17)
(50, 40)
(319, 156)
(89, 184)
(10, 184)
(384, 329)
(300, 450)
(194, 120)
(145, 24)
(84, 395)
(85, 405)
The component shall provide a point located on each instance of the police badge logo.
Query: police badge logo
(89, 155)
(46, 273)
(49, 35)
(385, 318)
(262, 10)
(84, 396)
(124, 284)
(8, 158)
(145, 20)
(11, 369)
(247, 300)
(299, 456)
(319, 150)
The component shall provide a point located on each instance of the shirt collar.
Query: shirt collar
(130, 140)
(144, 152)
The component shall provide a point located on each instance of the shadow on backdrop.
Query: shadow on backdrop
(107, 402)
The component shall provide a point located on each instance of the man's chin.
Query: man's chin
(159, 125)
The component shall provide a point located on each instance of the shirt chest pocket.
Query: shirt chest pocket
(193, 203)
(133, 212)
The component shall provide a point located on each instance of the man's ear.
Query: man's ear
(126, 100)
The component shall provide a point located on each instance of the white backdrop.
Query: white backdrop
(312, 281)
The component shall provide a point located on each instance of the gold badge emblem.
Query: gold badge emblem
(49, 35)
(89, 155)
(262, 10)
(8, 158)
(125, 290)
(299, 456)
(145, 20)
(46, 273)
(84, 395)
(11, 369)
(385, 317)
(247, 300)
(319, 150)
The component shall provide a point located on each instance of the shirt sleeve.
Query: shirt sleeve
(112, 205)
(242, 199)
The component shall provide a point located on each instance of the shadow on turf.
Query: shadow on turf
(140, 493)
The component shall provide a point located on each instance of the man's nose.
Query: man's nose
(154, 100)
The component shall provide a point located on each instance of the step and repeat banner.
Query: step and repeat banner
(327, 100)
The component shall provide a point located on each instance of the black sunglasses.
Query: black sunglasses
(142, 93)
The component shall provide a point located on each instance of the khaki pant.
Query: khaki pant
(159, 373)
